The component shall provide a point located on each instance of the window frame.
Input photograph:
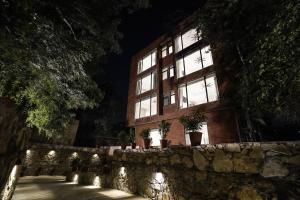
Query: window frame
(166, 47)
(185, 87)
(153, 82)
(140, 62)
(181, 39)
(168, 70)
(150, 108)
(169, 96)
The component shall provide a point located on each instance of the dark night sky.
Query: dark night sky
(139, 29)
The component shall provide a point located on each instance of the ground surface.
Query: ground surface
(54, 188)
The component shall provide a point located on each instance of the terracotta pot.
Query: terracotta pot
(163, 143)
(147, 142)
(123, 146)
(133, 145)
(195, 138)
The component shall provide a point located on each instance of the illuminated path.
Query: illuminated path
(54, 188)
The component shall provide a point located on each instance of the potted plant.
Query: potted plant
(123, 138)
(132, 138)
(164, 128)
(193, 123)
(146, 137)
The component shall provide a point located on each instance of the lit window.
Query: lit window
(146, 83)
(147, 62)
(146, 107)
(164, 52)
(187, 39)
(165, 73)
(168, 72)
(198, 92)
(167, 49)
(203, 130)
(170, 49)
(169, 98)
(194, 61)
(155, 137)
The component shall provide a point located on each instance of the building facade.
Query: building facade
(169, 78)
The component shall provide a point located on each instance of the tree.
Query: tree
(262, 35)
(44, 48)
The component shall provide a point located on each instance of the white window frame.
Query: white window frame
(138, 102)
(153, 58)
(180, 39)
(139, 83)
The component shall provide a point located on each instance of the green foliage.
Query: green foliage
(131, 135)
(145, 133)
(194, 121)
(44, 49)
(264, 35)
(164, 128)
(123, 137)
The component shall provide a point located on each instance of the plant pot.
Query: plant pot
(133, 145)
(195, 138)
(163, 143)
(147, 142)
(123, 146)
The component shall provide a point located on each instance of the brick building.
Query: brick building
(169, 78)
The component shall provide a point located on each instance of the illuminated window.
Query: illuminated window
(146, 83)
(147, 62)
(203, 130)
(146, 107)
(198, 92)
(167, 49)
(167, 72)
(194, 62)
(155, 137)
(169, 98)
(187, 39)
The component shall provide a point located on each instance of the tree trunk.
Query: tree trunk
(14, 138)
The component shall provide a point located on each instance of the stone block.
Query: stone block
(199, 160)
(222, 162)
(248, 193)
(175, 159)
(274, 168)
(187, 162)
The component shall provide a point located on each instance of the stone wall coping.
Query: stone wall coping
(71, 148)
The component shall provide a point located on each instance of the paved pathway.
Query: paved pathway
(54, 188)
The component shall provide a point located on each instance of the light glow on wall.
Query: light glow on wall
(51, 153)
(75, 178)
(95, 156)
(75, 154)
(122, 171)
(28, 152)
(96, 181)
(158, 180)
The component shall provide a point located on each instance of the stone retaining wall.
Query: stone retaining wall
(258, 171)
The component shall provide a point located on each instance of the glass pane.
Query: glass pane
(182, 96)
(155, 137)
(170, 49)
(153, 58)
(146, 62)
(206, 56)
(137, 110)
(211, 85)
(180, 68)
(140, 69)
(164, 52)
(192, 62)
(138, 86)
(153, 80)
(165, 74)
(166, 100)
(196, 93)
(153, 105)
(189, 38)
(145, 108)
(146, 83)
(173, 99)
(178, 44)
(171, 71)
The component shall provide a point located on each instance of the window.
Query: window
(155, 137)
(166, 50)
(188, 38)
(198, 92)
(146, 107)
(168, 72)
(147, 62)
(194, 61)
(204, 139)
(146, 83)
(169, 98)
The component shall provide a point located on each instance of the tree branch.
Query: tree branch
(66, 22)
